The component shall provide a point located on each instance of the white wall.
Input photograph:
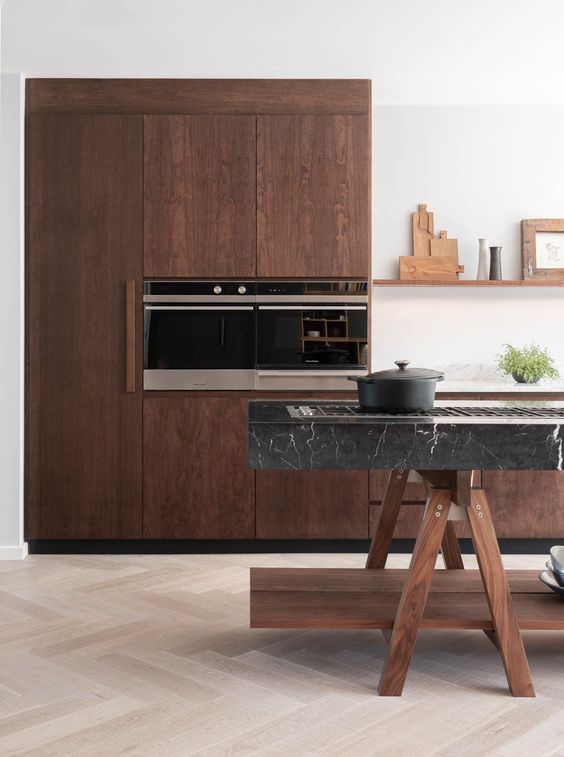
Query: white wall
(481, 169)
(440, 51)
(11, 322)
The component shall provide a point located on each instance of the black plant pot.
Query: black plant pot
(520, 379)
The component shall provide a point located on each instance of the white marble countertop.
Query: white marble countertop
(485, 386)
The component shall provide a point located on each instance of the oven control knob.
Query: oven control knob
(242, 289)
(217, 289)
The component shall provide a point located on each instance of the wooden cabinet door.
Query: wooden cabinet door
(196, 480)
(200, 196)
(526, 504)
(325, 504)
(85, 243)
(313, 195)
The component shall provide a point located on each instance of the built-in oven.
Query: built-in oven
(311, 334)
(199, 335)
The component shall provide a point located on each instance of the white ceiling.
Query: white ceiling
(416, 51)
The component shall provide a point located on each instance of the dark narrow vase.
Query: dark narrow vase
(495, 263)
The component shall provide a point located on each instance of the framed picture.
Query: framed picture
(542, 248)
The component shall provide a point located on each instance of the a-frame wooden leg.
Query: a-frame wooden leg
(450, 548)
(382, 539)
(414, 594)
(507, 634)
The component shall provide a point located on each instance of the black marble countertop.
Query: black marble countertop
(279, 441)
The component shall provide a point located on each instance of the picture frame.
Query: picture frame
(542, 248)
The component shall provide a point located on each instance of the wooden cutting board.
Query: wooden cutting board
(423, 226)
(443, 246)
(432, 268)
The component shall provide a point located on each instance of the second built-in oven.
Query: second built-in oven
(199, 335)
(311, 334)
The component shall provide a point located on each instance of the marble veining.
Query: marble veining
(277, 441)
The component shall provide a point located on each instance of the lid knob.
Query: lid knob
(402, 364)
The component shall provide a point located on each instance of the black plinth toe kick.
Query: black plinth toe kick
(255, 546)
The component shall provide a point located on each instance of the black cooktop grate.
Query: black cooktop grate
(343, 411)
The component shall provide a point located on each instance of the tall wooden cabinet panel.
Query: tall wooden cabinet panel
(196, 480)
(312, 195)
(85, 244)
(324, 504)
(200, 196)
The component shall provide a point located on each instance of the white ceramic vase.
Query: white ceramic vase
(483, 260)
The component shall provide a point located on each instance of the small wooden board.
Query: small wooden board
(443, 247)
(423, 227)
(433, 268)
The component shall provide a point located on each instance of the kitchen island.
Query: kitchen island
(445, 447)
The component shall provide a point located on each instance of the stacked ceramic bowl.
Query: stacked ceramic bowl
(553, 576)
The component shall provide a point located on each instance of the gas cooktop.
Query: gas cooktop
(343, 410)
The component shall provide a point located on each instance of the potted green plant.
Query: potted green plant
(527, 365)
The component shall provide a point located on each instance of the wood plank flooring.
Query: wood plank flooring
(105, 655)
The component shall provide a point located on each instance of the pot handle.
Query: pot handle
(353, 378)
(402, 364)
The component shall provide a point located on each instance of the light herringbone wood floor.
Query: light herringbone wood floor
(152, 655)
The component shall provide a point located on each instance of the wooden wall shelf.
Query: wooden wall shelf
(468, 283)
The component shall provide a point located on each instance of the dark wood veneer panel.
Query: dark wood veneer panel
(313, 195)
(146, 96)
(85, 241)
(312, 504)
(525, 503)
(196, 481)
(200, 196)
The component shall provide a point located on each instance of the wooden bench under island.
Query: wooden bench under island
(447, 447)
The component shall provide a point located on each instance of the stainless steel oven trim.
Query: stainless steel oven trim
(318, 381)
(199, 308)
(196, 298)
(305, 306)
(316, 299)
(198, 380)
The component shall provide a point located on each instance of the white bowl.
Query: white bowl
(548, 578)
(557, 557)
(559, 576)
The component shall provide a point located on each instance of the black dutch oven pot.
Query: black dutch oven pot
(405, 390)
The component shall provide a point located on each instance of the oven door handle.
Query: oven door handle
(311, 307)
(198, 307)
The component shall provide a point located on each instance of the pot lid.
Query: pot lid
(403, 373)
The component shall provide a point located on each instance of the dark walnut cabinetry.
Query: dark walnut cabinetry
(84, 238)
(313, 195)
(196, 481)
(200, 196)
(176, 179)
(312, 504)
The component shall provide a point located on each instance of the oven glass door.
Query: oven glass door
(199, 337)
(319, 336)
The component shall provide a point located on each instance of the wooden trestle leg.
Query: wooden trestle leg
(382, 539)
(435, 533)
(450, 549)
(414, 594)
(507, 634)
